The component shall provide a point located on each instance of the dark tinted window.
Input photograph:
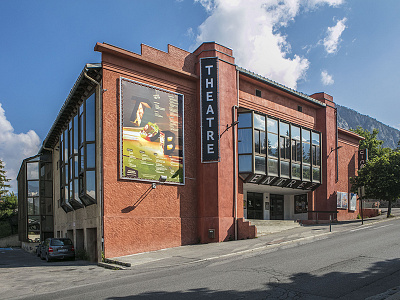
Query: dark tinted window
(61, 242)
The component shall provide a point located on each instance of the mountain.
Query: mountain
(350, 119)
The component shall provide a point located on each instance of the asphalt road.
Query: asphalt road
(354, 264)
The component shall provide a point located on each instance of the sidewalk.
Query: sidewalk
(206, 252)
(270, 242)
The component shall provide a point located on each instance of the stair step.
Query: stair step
(273, 226)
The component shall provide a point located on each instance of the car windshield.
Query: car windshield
(61, 242)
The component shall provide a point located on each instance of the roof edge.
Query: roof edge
(279, 86)
(351, 133)
(89, 66)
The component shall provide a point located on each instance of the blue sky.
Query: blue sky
(348, 49)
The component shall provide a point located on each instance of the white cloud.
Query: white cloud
(332, 40)
(189, 32)
(15, 147)
(314, 3)
(326, 79)
(251, 29)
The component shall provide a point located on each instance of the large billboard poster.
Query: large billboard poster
(151, 133)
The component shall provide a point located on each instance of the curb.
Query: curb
(110, 266)
(116, 262)
(269, 245)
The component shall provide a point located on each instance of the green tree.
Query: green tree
(371, 142)
(8, 205)
(3, 181)
(381, 178)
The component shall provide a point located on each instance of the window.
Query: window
(73, 187)
(87, 151)
(64, 172)
(245, 143)
(316, 157)
(33, 200)
(284, 144)
(273, 146)
(296, 152)
(306, 154)
(78, 158)
(258, 93)
(300, 204)
(260, 149)
(277, 148)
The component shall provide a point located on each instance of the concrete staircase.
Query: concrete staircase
(271, 226)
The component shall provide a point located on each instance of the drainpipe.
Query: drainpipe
(337, 145)
(235, 164)
(90, 78)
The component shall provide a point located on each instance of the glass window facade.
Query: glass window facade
(78, 160)
(274, 147)
(35, 198)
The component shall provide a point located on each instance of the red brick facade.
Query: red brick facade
(173, 215)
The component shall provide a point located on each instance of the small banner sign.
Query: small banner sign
(209, 109)
(362, 158)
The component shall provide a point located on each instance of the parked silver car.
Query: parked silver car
(39, 249)
(57, 248)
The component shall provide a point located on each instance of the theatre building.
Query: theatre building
(162, 149)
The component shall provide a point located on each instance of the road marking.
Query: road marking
(370, 226)
(383, 226)
(362, 228)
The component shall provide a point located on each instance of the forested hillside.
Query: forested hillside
(349, 118)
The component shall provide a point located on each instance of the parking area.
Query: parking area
(24, 274)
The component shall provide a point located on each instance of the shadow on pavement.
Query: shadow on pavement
(320, 284)
(17, 258)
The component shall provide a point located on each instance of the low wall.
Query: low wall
(371, 212)
(29, 247)
(10, 241)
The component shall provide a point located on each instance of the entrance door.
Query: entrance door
(276, 207)
(255, 206)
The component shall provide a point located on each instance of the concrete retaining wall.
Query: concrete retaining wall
(10, 241)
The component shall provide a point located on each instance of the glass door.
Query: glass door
(254, 206)
(277, 207)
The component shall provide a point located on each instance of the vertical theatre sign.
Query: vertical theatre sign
(151, 133)
(209, 109)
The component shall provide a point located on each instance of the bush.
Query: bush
(82, 254)
(7, 228)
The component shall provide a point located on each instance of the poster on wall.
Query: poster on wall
(353, 202)
(151, 143)
(342, 200)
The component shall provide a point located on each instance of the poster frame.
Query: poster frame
(120, 146)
